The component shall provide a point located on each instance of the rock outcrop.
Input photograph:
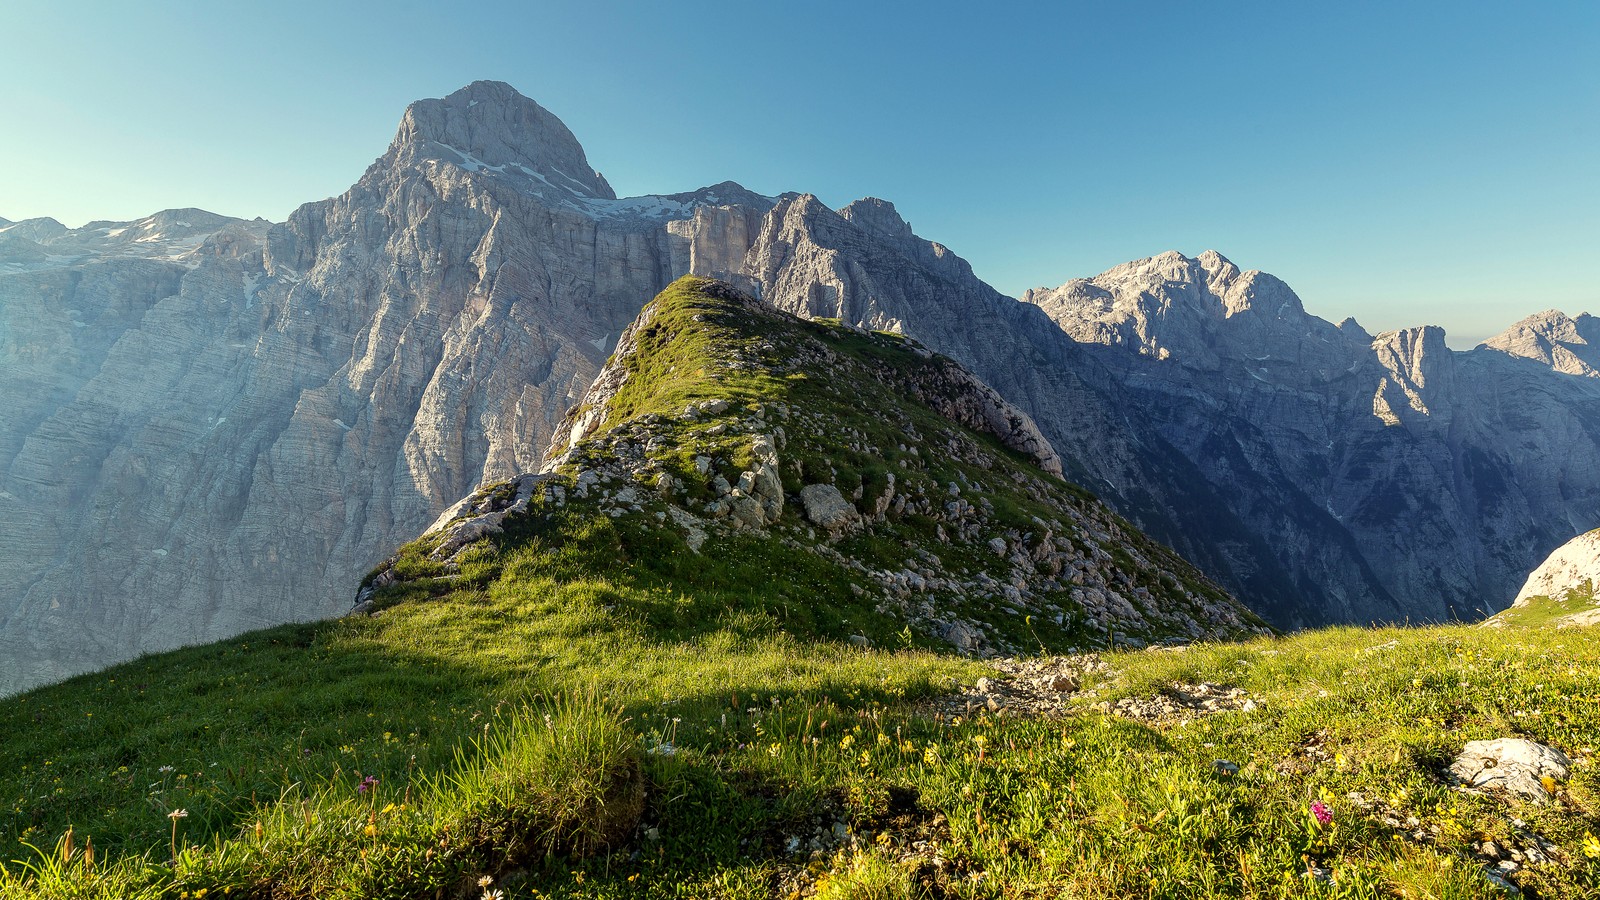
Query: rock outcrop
(1573, 565)
(1524, 768)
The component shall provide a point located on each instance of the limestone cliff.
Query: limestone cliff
(215, 425)
(1389, 464)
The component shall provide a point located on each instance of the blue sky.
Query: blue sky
(1402, 163)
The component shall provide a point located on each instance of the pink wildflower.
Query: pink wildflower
(1321, 812)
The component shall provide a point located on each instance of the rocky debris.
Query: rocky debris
(1502, 860)
(1519, 766)
(1030, 688)
(1311, 753)
(961, 397)
(1050, 687)
(1403, 823)
(483, 513)
(827, 508)
(1183, 702)
(694, 532)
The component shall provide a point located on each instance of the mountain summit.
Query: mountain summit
(489, 125)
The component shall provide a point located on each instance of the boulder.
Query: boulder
(827, 508)
(1513, 764)
(963, 637)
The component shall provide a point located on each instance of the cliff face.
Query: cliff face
(1445, 475)
(216, 425)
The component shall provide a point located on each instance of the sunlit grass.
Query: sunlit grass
(584, 708)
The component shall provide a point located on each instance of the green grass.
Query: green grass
(1091, 805)
(1543, 610)
(584, 708)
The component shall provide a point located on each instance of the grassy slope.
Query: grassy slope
(702, 679)
(1546, 611)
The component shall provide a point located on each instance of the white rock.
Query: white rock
(1514, 764)
(827, 508)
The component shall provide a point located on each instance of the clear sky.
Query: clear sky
(1404, 163)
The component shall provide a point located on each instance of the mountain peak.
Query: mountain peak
(878, 218)
(489, 124)
(1556, 339)
(39, 229)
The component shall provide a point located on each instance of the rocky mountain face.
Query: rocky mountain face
(1560, 593)
(921, 503)
(215, 424)
(1568, 568)
(1415, 480)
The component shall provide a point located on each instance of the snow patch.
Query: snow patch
(252, 283)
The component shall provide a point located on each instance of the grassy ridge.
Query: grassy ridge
(582, 707)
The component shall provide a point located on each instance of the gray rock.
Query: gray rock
(1512, 764)
(1061, 683)
(963, 637)
(826, 508)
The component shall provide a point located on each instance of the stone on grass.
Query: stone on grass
(1513, 764)
(828, 508)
